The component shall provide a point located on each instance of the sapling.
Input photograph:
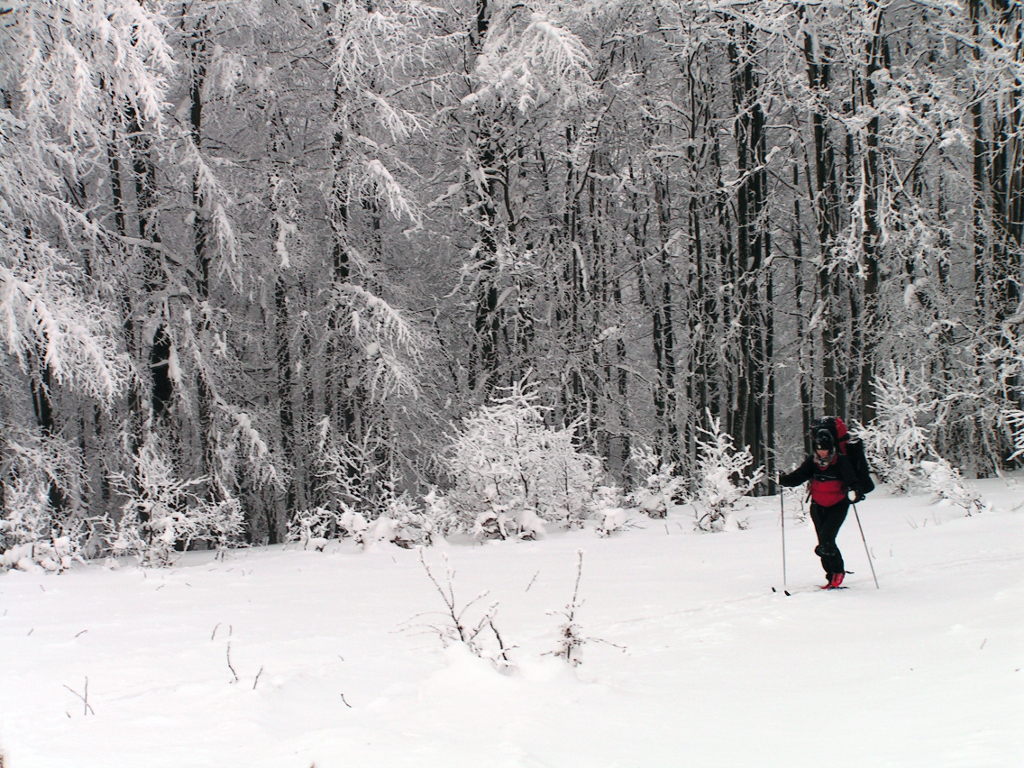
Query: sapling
(312, 527)
(570, 636)
(1013, 419)
(610, 512)
(456, 629)
(163, 512)
(721, 478)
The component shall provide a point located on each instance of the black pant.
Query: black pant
(827, 522)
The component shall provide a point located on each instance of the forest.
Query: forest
(281, 268)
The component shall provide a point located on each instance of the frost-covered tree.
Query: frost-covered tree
(722, 477)
(902, 433)
(512, 473)
(67, 70)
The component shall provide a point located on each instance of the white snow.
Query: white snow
(693, 660)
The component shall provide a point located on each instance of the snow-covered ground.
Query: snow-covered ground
(693, 661)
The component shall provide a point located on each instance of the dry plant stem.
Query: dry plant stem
(84, 698)
(576, 589)
(501, 643)
(448, 597)
(235, 674)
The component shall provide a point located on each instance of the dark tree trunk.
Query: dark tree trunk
(826, 207)
(865, 333)
(484, 357)
(804, 351)
(752, 249)
(42, 404)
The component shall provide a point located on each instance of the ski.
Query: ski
(790, 593)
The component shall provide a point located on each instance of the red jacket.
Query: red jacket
(829, 484)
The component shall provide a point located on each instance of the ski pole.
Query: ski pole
(782, 507)
(866, 550)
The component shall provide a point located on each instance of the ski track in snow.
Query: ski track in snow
(692, 660)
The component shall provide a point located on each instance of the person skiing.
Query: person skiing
(834, 485)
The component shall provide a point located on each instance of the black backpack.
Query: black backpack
(852, 449)
(859, 460)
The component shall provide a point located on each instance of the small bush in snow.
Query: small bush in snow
(570, 634)
(313, 527)
(162, 512)
(899, 437)
(948, 483)
(661, 485)
(610, 511)
(28, 537)
(513, 473)
(400, 522)
(32, 534)
(720, 476)
(454, 626)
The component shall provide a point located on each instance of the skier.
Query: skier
(834, 485)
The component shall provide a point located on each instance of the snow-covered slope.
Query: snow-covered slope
(281, 658)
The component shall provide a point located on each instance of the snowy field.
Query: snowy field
(283, 658)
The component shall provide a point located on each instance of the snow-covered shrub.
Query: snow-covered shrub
(27, 519)
(345, 470)
(54, 555)
(436, 516)
(901, 434)
(721, 481)
(354, 524)
(412, 525)
(401, 523)
(312, 527)
(661, 484)
(32, 533)
(610, 511)
(163, 512)
(513, 473)
(948, 483)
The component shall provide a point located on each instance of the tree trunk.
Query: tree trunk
(200, 246)
(826, 208)
(866, 333)
(752, 248)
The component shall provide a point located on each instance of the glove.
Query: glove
(854, 496)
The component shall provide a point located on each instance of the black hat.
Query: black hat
(823, 440)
